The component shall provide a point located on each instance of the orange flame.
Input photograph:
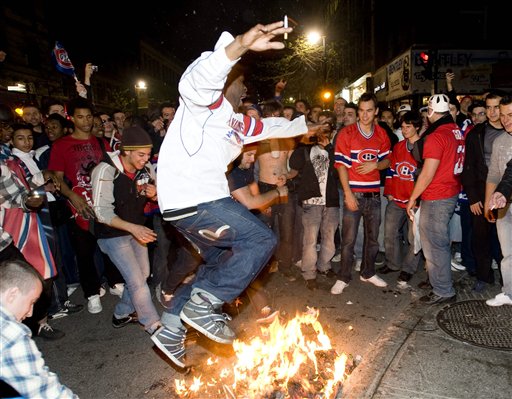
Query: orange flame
(275, 362)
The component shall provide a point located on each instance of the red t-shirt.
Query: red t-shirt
(446, 144)
(76, 158)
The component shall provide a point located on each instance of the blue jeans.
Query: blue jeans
(394, 222)
(131, 258)
(315, 219)
(234, 244)
(504, 227)
(358, 246)
(369, 209)
(435, 240)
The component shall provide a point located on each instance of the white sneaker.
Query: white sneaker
(103, 291)
(94, 304)
(336, 258)
(403, 285)
(457, 266)
(375, 280)
(338, 287)
(498, 300)
(357, 267)
(117, 289)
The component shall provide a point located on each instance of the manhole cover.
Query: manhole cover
(476, 323)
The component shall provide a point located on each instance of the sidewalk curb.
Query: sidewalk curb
(367, 376)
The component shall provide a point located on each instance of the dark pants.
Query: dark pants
(466, 251)
(84, 244)
(282, 223)
(486, 247)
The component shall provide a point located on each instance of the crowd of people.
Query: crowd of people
(200, 201)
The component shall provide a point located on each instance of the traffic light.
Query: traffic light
(427, 59)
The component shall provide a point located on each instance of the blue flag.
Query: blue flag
(62, 61)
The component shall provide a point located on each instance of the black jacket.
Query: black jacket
(308, 186)
(474, 173)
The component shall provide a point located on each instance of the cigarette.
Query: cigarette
(285, 26)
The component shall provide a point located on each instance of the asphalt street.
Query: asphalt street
(403, 352)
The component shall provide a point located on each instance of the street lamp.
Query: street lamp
(141, 90)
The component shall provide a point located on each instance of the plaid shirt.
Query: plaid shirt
(22, 365)
(13, 194)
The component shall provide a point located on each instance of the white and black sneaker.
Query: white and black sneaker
(120, 322)
(199, 312)
(66, 309)
(171, 341)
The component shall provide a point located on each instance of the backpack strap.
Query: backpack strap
(106, 158)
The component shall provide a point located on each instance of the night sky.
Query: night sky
(185, 28)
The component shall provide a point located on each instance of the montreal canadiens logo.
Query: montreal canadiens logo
(405, 170)
(63, 59)
(367, 155)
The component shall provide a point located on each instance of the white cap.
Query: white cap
(404, 108)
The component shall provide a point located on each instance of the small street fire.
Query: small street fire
(289, 360)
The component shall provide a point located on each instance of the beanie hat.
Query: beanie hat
(135, 137)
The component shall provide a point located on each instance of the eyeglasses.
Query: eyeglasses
(4, 125)
(478, 114)
(105, 121)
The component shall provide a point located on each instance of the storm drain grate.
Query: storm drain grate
(476, 323)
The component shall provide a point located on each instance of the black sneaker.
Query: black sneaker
(433, 299)
(171, 343)
(206, 318)
(327, 273)
(379, 260)
(386, 269)
(311, 284)
(72, 308)
(425, 285)
(67, 309)
(404, 276)
(51, 334)
(124, 321)
(479, 286)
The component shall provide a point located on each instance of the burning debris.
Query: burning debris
(289, 360)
